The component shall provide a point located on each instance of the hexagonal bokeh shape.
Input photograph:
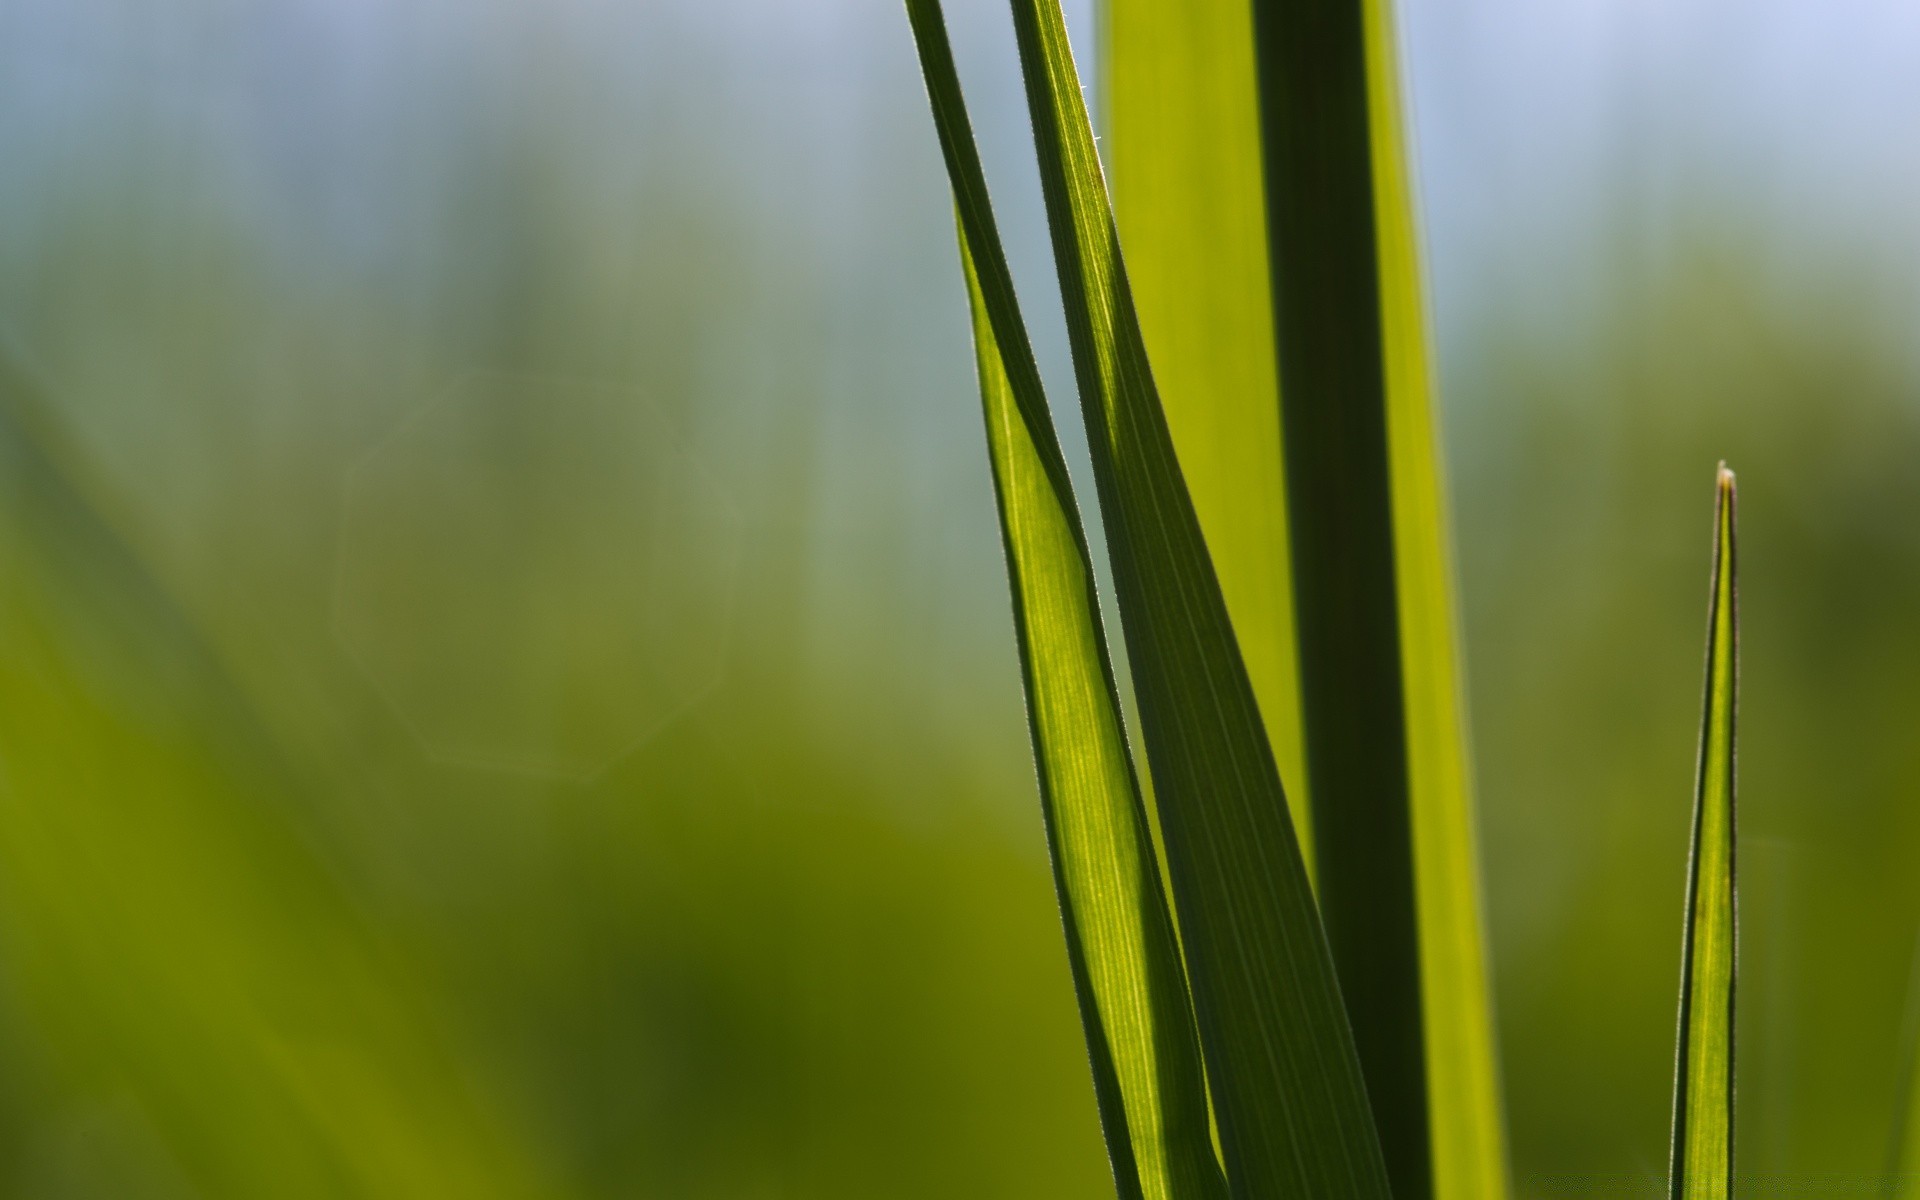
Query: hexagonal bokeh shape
(536, 572)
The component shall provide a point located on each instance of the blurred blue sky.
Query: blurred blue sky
(375, 150)
(1533, 119)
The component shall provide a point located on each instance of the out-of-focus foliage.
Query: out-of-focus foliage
(796, 938)
(801, 940)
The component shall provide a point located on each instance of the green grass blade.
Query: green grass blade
(1286, 1085)
(1126, 967)
(1184, 148)
(1466, 1130)
(1703, 1070)
(1379, 678)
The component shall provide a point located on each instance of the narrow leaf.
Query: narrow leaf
(1384, 722)
(1466, 1129)
(1286, 1084)
(1703, 1071)
(1125, 964)
(1184, 148)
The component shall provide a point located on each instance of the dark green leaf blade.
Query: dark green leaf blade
(1286, 1084)
(1184, 106)
(1331, 345)
(1125, 963)
(1703, 1071)
(1384, 723)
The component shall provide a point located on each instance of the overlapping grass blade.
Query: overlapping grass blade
(1703, 1097)
(1126, 968)
(1184, 149)
(1384, 726)
(1285, 1082)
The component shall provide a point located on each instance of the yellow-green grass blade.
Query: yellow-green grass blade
(1126, 968)
(1466, 1128)
(166, 927)
(1384, 722)
(1284, 1079)
(1184, 149)
(1703, 1069)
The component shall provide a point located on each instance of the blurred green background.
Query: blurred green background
(505, 678)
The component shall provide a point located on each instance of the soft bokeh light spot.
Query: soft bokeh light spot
(536, 572)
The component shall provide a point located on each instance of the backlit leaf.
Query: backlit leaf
(1126, 967)
(1384, 725)
(1703, 1071)
(1185, 154)
(1285, 1082)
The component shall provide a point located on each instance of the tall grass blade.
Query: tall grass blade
(1466, 1127)
(1184, 149)
(1703, 1071)
(1125, 963)
(1384, 723)
(1285, 1082)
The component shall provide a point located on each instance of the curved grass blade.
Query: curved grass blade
(1285, 1082)
(1185, 155)
(1384, 721)
(1125, 964)
(1703, 1071)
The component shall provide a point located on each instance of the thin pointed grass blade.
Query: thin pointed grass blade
(1285, 1082)
(1184, 148)
(1125, 963)
(1703, 1069)
(1384, 722)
